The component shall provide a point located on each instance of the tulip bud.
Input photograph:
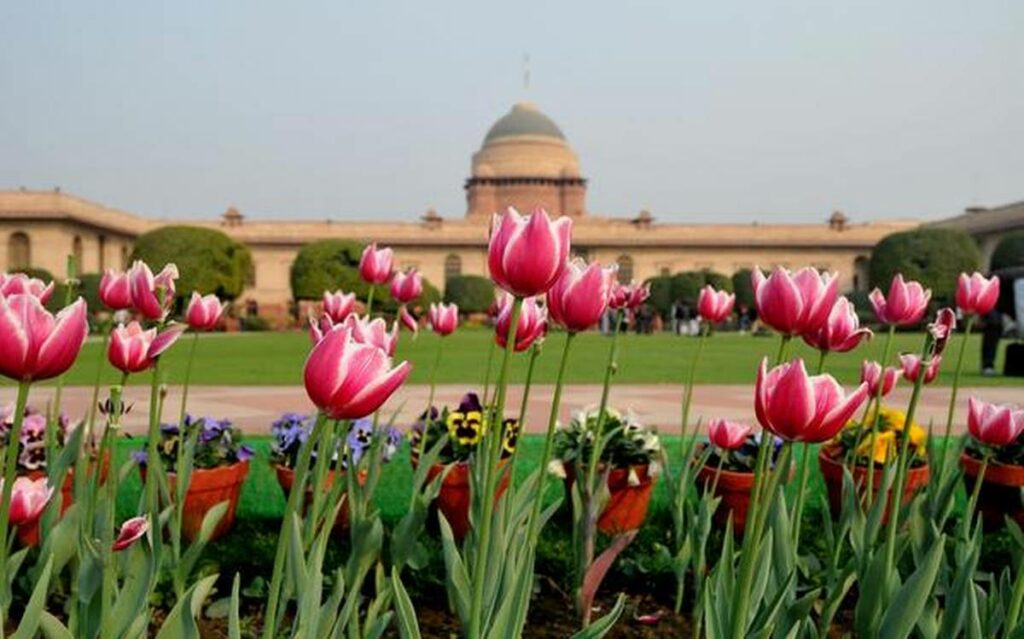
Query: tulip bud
(203, 312)
(338, 305)
(131, 531)
(133, 350)
(942, 329)
(728, 435)
(714, 306)
(115, 290)
(443, 318)
(36, 345)
(904, 306)
(532, 325)
(976, 295)
(871, 373)
(841, 332)
(373, 333)
(912, 367)
(28, 499)
(21, 284)
(407, 319)
(152, 295)
(375, 265)
(406, 287)
(526, 256)
(579, 297)
(629, 296)
(794, 303)
(798, 407)
(992, 424)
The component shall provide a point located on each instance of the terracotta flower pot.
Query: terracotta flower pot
(830, 460)
(286, 477)
(455, 496)
(627, 505)
(209, 487)
(29, 535)
(734, 488)
(1002, 490)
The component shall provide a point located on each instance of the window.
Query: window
(124, 256)
(101, 252)
(625, 269)
(76, 252)
(19, 252)
(452, 267)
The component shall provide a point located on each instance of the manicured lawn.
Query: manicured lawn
(277, 358)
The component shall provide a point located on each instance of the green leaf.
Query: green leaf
(910, 600)
(601, 627)
(31, 616)
(234, 627)
(408, 627)
(181, 621)
(52, 628)
(458, 579)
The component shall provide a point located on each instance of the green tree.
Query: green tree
(327, 265)
(1009, 251)
(743, 287)
(208, 260)
(661, 294)
(932, 256)
(472, 293)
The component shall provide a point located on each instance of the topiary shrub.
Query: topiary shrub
(932, 256)
(661, 294)
(327, 265)
(208, 260)
(472, 293)
(1009, 251)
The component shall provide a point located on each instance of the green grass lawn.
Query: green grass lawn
(277, 358)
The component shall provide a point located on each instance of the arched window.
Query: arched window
(861, 267)
(102, 252)
(625, 269)
(19, 251)
(76, 252)
(452, 267)
(124, 256)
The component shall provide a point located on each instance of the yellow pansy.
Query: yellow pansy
(884, 446)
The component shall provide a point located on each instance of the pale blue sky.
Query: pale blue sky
(701, 112)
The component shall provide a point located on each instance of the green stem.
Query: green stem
(295, 496)
(973, 503)
(690, 378)
(188, 378)
(534, 353)
(153, 456)
(1016, 598)
(430, 397)
(489, 475)
(487, 374)
(798, 508)
(96, 381)
(603, 407)
(369, 301)
(109, 562)
(718, 470)
(549, 444)
(968, 325)
(9, 457)
(886, 352)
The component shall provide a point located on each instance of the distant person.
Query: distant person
(682, 317)
(991, 333)
(743, 320)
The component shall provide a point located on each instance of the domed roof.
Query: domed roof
(523, 119)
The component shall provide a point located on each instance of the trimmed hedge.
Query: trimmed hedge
(743, 287)
(327, 265)
(933, 256)
(1009, 251)
(208, 260)
(686, 285)
(472, 293)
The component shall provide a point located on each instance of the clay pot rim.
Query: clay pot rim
(826, 456)
(997, 473)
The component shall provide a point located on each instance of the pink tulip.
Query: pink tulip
(21, 284)
(714, 306)
(912, 367)
(871, 373)
(728, 435)
(375, 265)
(443, 318)
(116, 290)
(798, 407)
(34, 344)
(797, 303)
(203, 312)
(407, 286)
(532, 325)
(317, 328)
(28, 499)
(580, 296)
(131, 531)
(905, 305)
(133, 350)
(841, 332)
(349, 380)
(338, 305)
(629, 296)
(976, 295)
(373, 333)
(152, 295)
(526, 255)
(992, 424)
(407, 319)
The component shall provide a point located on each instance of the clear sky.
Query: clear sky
(698, 111)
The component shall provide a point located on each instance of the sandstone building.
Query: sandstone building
(524, 161)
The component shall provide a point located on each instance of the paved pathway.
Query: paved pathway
(253, 408)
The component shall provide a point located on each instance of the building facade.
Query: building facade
(525, 161)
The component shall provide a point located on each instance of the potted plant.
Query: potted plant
(1002, 487)
(853, 447)
(220, 466)
(728, 471)
(32, 462)
(465, 427)
(629, 460)
(293, 429)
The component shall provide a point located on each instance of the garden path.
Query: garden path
(253, 408)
